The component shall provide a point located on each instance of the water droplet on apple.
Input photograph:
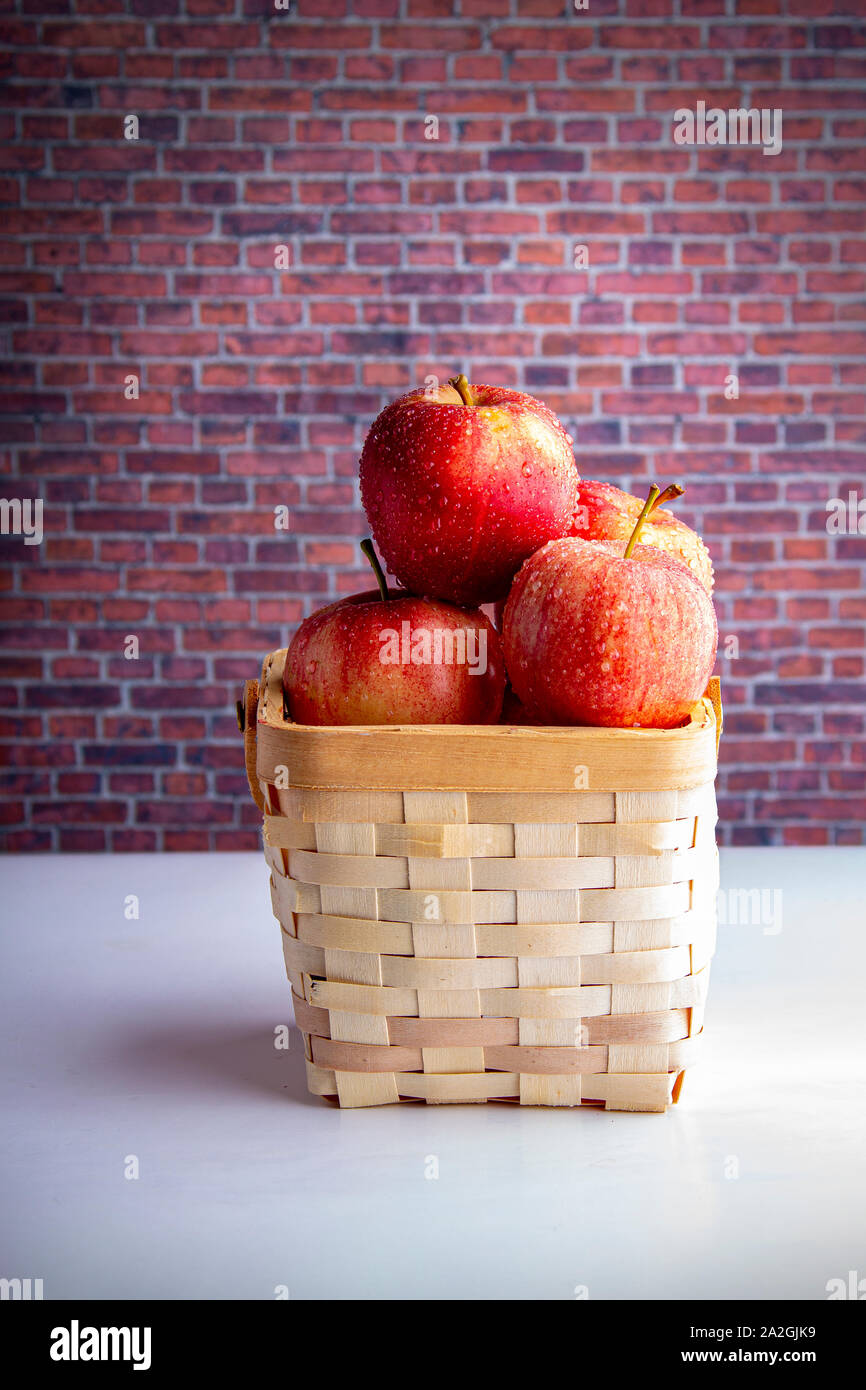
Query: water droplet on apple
(526, 471)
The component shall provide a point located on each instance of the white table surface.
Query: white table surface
(154, 1038)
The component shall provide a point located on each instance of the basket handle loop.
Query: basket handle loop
(247, 718)
(714, 695)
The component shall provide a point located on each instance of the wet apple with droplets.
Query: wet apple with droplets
(605, 513)
(598, 633)
(334, 672)
(462, 483)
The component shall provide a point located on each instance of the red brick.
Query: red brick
(657, 36)
(90, 34)
(821, 344)
(648, 403)
(183, 813)
(590, 345)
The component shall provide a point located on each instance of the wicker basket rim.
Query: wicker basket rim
(464, 757)
(270, 712)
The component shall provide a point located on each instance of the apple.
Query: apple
(463, 483)
(390, 658)
(597, 636)
(604, 513)
(513, 712)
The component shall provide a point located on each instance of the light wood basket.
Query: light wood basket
(476, 913)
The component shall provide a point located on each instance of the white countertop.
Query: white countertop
(154, 1038)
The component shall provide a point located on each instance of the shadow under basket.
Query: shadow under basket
(477, 913)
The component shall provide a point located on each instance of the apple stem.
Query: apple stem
(670, 494)
(367, 547)
(654, 500)
(462, 387)
(648, 505)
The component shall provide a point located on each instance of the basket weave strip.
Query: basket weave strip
(501, 914)
(542, 1061)
(670, 1025)
(647, 1092)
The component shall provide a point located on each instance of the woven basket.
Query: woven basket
(491, 913)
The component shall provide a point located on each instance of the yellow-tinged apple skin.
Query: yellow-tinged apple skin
(593, 638)
(605, 513)
(335, 672)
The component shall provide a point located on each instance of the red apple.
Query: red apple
(462, 483)
(513, 712)
(596, 636)
(400, 660)
(604, 513)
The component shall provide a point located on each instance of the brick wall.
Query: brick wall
(410, 256)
